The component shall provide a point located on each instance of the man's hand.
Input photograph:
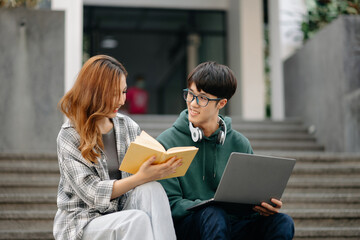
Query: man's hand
(266, 209)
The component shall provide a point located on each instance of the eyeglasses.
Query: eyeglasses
(201, 100)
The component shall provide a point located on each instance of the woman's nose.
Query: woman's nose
(122, 99)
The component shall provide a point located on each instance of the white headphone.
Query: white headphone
(197, 133)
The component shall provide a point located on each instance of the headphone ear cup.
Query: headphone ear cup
(196, 133)
(222, 133)
(221, 138)
(201, 134)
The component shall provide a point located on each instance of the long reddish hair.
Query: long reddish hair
(93, 96)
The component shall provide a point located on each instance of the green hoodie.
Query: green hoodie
(203, 176)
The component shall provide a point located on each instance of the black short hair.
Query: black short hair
(216, 79)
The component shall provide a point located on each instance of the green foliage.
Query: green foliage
(322, 12)
(18, 3)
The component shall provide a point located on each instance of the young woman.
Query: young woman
(95, 200)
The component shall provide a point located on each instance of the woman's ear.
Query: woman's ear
(222, 103)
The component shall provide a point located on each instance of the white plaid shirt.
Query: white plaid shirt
(85, 189)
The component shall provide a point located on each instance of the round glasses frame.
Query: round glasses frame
(189, 96)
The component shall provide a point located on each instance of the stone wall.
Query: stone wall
(31, 78)
(322, 84)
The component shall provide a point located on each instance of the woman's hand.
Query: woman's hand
(149, 171)
(266, 209)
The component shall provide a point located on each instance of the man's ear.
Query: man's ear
(222, 103)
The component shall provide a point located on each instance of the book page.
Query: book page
(147, 140)
(187, 156)
(146, 146)
(180, 149)
(136, 155)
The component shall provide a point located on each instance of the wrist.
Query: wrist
(139, 178)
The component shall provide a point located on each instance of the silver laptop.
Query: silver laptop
(250, 179)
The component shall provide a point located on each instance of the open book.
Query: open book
(146, 146)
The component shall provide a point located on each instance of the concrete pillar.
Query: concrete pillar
(276, 64)
(193, 43)
(246, 58)
(73, 37)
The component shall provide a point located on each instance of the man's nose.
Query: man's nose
(195, 101)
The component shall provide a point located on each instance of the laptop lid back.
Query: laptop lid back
(252, 179)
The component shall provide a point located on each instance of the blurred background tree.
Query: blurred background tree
(18, 3)
(322, 12)
(33, 4)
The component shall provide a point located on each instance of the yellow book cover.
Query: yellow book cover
(146, 146)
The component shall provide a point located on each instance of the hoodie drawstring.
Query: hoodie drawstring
(204, 159)
(215, 162)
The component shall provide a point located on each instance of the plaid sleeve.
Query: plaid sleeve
(126, 131)
(85, 179)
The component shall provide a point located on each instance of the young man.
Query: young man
(210, 86)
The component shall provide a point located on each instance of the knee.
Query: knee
(213, 215)
(134, 223)
(284, 219)
(140, 217)
(153, 186)
(214, 221)
(150, 188)
(285, 225)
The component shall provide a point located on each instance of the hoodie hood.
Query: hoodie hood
(182, 125)
(203, 176)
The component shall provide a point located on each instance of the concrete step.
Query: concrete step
(24, 198)
(302, 198)
(315, 157)
(304, 165)
(149, 118)
(300, 179)
(328, 217)
(326, 168)
(302, 217)
(322, 196)
(267, 130)
(29, 180)
(294, 182)
(26, 229)
(28, 206)
(331, 233)
(29, 166)
(252, 133)
(31, 234)
(324, 213)
(286, 146)
(245, 126)
(310, 198)
(275, 136)
(28, 156)
(256, 135)
(318, 205)
(27, 215)
(278, 142)
(29, 190)
(327, 181)
(320, 168)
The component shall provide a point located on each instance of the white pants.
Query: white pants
(146, 215)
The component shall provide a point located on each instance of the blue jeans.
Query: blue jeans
(214, 223)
